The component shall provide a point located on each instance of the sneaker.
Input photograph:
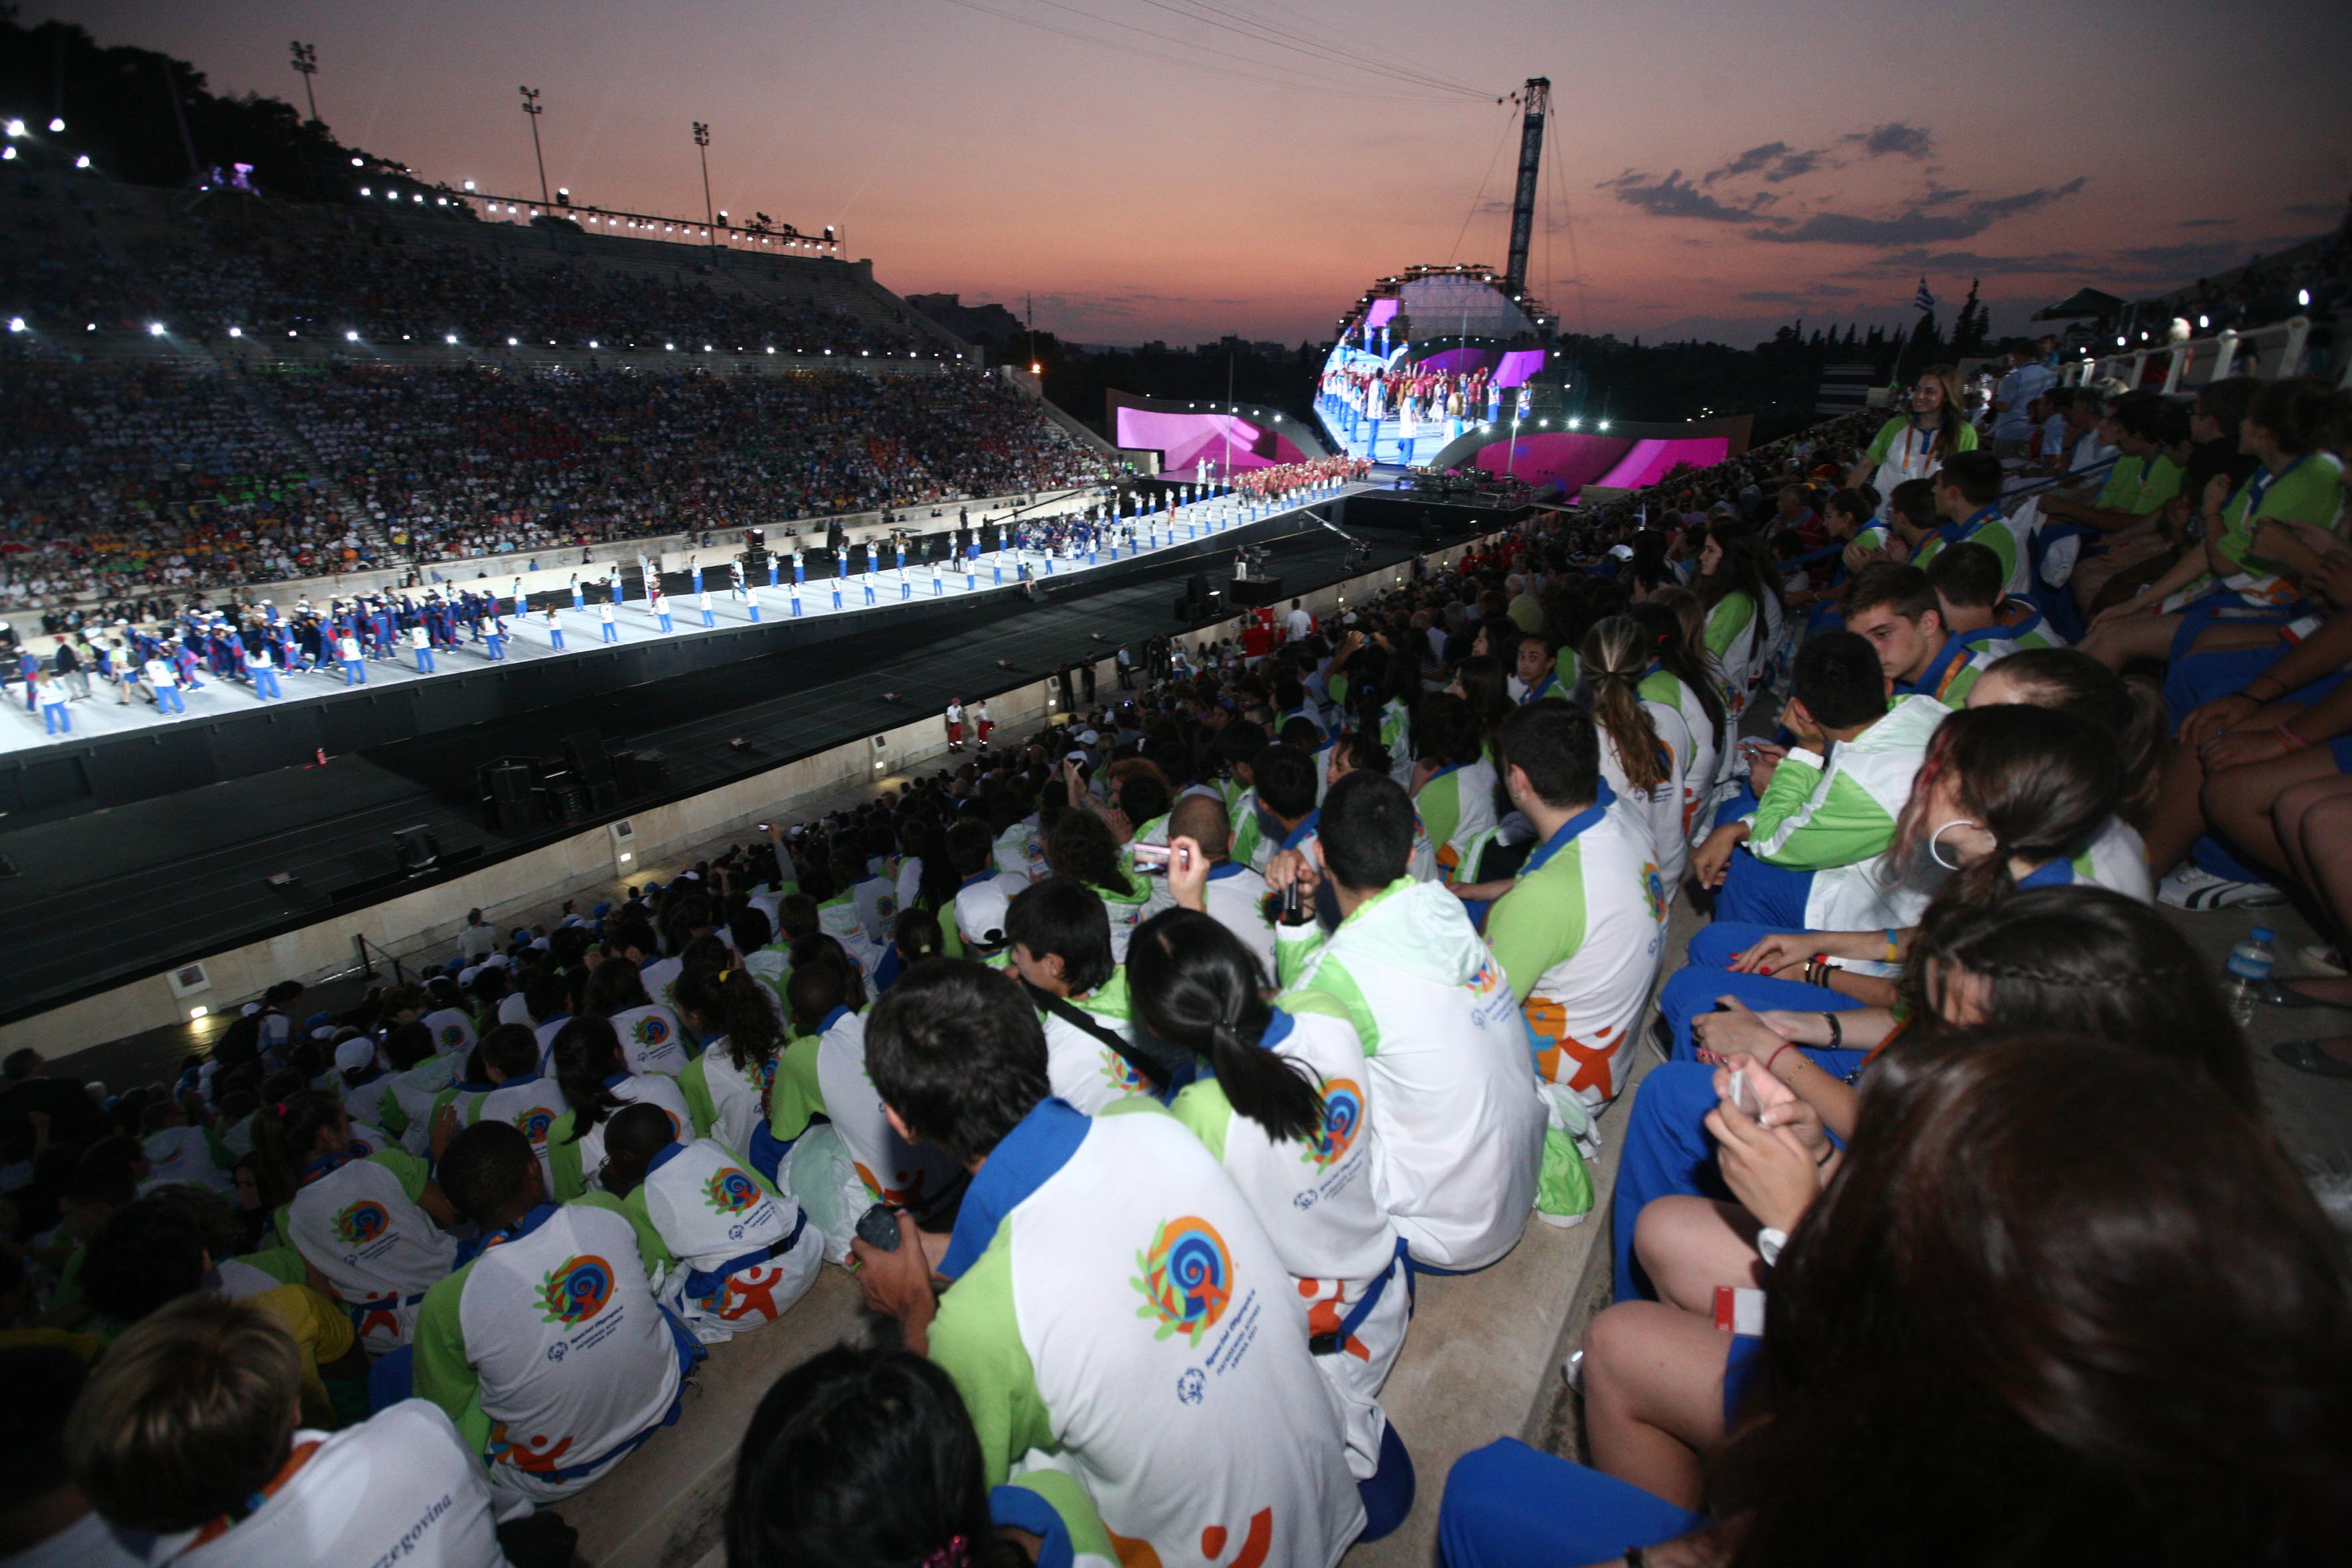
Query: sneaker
(2192, 887)
(1571, 1370)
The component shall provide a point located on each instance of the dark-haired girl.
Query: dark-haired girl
(592, 1071)
(1282, 1101)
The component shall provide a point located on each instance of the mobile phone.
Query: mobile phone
(1741, 1096)
(877, 1228)
(1151, 854)
(1291, 912)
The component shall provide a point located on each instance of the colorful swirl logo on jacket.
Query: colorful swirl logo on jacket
(1343, 1112)
(575, 1290)
(1654, 889)
(729, 1191)
(650, 1031)
(452, 1036)
(362, 1223)
(1123, 1075)
(534, 1124)
(1188, 1279)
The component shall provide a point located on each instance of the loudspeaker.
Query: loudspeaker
(417, 850)
(584, 749)
(604, 796)
(510, 816)
(640, 773)
(1258, 590)
(1196, 586)
(507, 779)
(567, 799)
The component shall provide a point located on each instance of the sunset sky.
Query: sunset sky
(1726, 166)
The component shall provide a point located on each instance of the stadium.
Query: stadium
(1668, 895)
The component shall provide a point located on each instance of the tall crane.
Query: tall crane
(1535, 103)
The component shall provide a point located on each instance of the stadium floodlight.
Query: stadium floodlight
(365, 192)
(289, 332)
(449, 338)
(359, 162)
(1576, 424)
(16, 323)
(2303, 298)
(671, 347)
(56, 125)
(350, 337)
(705, 348)
(16, 128)
(470, 185)
(2203, 323)
(1605, 425)
(771, 348)
(2119, 341)
(82, 162)
(511, 342)
(592, 343)
(8, 154)
(154, 329)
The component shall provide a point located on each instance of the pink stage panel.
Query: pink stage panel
(1573, 459)
(1227, 439)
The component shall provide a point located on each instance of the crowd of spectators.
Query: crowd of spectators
(1385, 895)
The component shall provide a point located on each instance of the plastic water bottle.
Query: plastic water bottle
(2247, 972)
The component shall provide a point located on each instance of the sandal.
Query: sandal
(2308, 1056)
(2283, 994)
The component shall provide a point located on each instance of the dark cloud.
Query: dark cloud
(1675, 197)
(1917, 226)
(2185, 260)
(1937, 195)
(1814, 294)
(1894, 138)
(2204, 223)
(1790, 166)
(1747, 163)
(2312, 209)
(1973, 263)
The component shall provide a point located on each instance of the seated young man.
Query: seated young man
(1896, 610)
(730, 1252)
(895, 1172)
(190, 1429)
(973, 924)
(547, 1349)
(1580, 928)
(1107, 1295)
(1802, 859)
(1461, 1125)
(1060, 935)
(1966, 582)
(1967, 505)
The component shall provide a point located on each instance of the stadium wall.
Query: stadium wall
(509, 890)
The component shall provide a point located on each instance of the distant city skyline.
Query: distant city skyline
(1248, 167)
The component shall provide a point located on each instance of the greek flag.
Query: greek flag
(1925, 302)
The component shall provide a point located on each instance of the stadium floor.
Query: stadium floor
(107, 896)
(103, 715)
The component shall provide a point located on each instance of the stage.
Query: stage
(221, 836)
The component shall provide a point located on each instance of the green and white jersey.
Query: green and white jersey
(532, 1104)
(1250, 844)
(895, 1172)
(1117, 1305)
(548, 1353)
(652, 1039)
(1021, 850)
(1903, 451)
(1699, 762)
(413, 1094)
(795, 1097)
(1126, 909)
(401, 1487)
(711, 1209)
(1737, 646)
(1083, 1070)
(660, 980)
(1996, 533)
(453, 1032)
(1579, 937)
(771, 966)
(877, 899)
(1317, 1203)
(1457, 809)
(2310, 490)
(726, 1101)
(1658, 810)
(357, 1222)
(1455, 1111)
(1396, 739)
(576, 1155)
(1836, 821)
(178, 1155)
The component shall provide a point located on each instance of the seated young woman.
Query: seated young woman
(1977, 1336)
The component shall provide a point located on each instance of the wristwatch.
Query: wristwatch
(1769, 1243)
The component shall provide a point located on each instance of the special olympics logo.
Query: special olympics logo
(1123, 1075)
(767, 1071)
(362, 1223)
(1654, 890)
(729, 1191)
(1191, 1386)
(1188, 1279)
(452, 1036)
(886, 905)
(575, 1290)
(1343, 1113)
(651, 1030)
(1488, 980)
(534, 1124)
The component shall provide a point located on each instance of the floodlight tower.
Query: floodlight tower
(1535, 103)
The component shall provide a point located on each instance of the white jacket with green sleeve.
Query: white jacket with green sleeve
(1835, 818)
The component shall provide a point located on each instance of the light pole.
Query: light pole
(305, 61)
(531, 105)
(702, 151)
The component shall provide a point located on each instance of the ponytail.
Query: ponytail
(587, 1052)
(1616, 655)
(285, 1137)
(1668, 632)
(1196, 986)
(737, 1004)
